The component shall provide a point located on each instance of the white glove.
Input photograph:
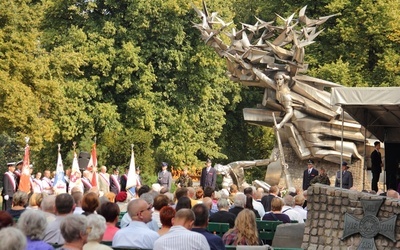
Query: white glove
(6, 197)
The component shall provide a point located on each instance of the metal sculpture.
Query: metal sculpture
(270, 55)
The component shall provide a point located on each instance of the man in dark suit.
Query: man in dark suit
(309, 174)
(124, 179)
(223, 215)
(115, 187)
(9, 186)
(347, 177)
(208, 176)
(376, 165)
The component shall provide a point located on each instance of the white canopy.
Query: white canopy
(375, 108)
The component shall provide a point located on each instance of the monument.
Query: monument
(270, 55)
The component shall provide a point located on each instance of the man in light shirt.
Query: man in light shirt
(179, 236)
(137, 234)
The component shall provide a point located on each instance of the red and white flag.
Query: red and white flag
(25, 180)
(92, 165)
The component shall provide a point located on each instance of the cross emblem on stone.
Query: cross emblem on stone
(369, 226)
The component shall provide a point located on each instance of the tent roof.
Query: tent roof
(375, 108)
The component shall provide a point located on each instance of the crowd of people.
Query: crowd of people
(152, 218)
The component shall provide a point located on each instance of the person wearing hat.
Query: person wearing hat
(208, 176)
(9, 186)
(345, 175)
(309, 174)
(165, 177)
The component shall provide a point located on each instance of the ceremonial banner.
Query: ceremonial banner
(25, 180)
(59, 185)
(92, 165)
(75, 178)
(131, 183)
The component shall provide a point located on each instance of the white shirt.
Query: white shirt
(301, 211)
(293, 215)
(136, 235)
(126, 220)
(179, 238)
(259, 207)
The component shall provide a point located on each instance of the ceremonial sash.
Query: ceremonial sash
(12, 180)
(86, 183)
(105, 179)
(115, 180)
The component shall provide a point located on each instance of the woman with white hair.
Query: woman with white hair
(12, 239)
(33, 224)
(74, 230)
(97, 223)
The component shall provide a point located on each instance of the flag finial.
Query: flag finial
(26, 139)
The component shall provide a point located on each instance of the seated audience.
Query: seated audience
(288, 209)
(78, 197)
(249, 205)
(110, 212)
(199, 194)
(64, 205)
(19, 202)
(183, 202)
(179, 236)
(239, 202)
(223, 215)
(48, 206)
(97, 225)
(266, 199)
(160, 201)
(244, 232)
(200, 226)
(6, 220)
(252, 192)
(33, 223)
(137, 233)
(90, 203)
(74, 229)
(299, 201)
(276, 212)
(12, 238)
(166, 215)
(35, 200)
(122, 201)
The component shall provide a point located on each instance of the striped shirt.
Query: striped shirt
(179, 238)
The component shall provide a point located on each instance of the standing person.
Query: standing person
(124, 179)
(376, 165)
(184, 179)
(87, 184)
(165, 177)
(37, 183)
(104, 181)
(321, 178)
(347, 177)
(9, 186)
(139, 178)
(208, 176)
(46, 182)
(309, 174)
(18, 171)
(115, 187)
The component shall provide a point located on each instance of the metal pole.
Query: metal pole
(341, 151)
